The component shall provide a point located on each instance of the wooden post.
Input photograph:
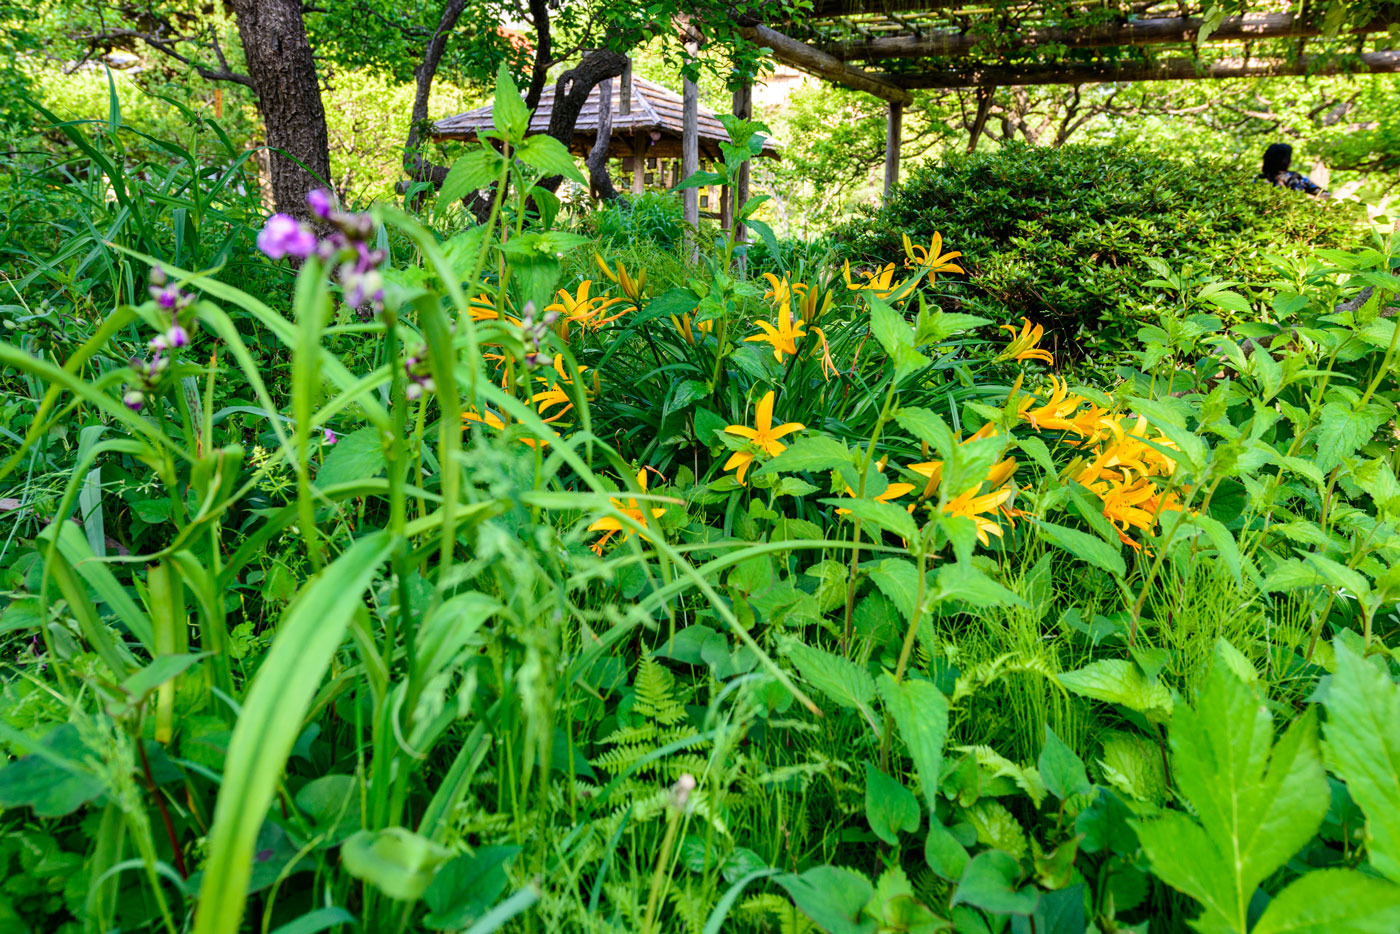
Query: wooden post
(624, 102)
(726, 208)
(639, 162)
(690, 157)
(743, 109)
(893, 130)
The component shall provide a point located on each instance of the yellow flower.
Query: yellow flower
(482, 308)
(969, 505)
(611, 525)
(592, 313)
(632, 288)
(492, 420)
(1058, 413)
(933, 258)
(687, 329)
(880, 282)
(764, 436)
(783, 337)
(781, 290)
(812, 305)
(828, 365)
(1023, 345)
(892, 492)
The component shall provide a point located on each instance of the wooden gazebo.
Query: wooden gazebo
(647, 130)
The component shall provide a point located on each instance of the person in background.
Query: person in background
(1277, 158)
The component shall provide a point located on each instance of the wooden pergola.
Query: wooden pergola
(887, 48)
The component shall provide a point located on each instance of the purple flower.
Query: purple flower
(177, 336)
(321, 202)
(329, 437)
(134, 400)
(284, 235)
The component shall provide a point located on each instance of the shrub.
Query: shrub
(1061, 235)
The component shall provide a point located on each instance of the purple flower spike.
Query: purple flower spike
(134, 400)
(177, 336)
(321, 202)
(329, 437)
(284, 235)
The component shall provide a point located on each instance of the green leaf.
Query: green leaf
(52, 780)
(809, 453)
(990, 882)
(1342, 429)
(920, 714)
(1062, 771)
(843, 681)
(278, 698)
(1257, 803)
(898, 579)
(943, 853)
(1086, 547)
(509, 113)
(833, 897)
(463, 889)
(896, 336)
(934, 326)
(885, 516)
(356, 456)
(1225, 545)
(889, 806)
(549, 156)
(928, 428)
(395, 860)
(1363, 744)
(1333, 901)
(700, 180)
(1119, 681)
(962, 582)
(470, 173)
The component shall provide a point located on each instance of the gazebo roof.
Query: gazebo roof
(654, 123)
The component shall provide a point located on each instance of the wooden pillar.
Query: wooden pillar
(893, 129)
(639, 162)
(743, 109)
(690, 156)
(726, 208)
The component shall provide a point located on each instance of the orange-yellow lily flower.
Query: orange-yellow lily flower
(975, 507)
(611, 525)
(1023, 345)
(632, 288)
(933, 258)
(764, 436)
(783, 337)
(880, 282)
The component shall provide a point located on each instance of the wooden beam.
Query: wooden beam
(1181, 29)
(1172, 69)
(894, 125)
(639, 163)
(823, 64)
(624, 101)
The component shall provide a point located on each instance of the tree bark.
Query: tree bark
(597, 161)
(571, 93)
(418, 168)
(283, 74)
(539, 14)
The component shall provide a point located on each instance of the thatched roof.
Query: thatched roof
(654, 124)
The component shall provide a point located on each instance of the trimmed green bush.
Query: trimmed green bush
(1061, 235)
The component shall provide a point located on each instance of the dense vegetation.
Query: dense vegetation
(398, 573)
(1064, 235)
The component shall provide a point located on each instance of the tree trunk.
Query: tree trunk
(571, 93)
(597, 161)
(289, 98)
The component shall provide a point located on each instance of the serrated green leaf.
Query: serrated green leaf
(549, 156)
(1119, 681)
(1257, 802)
(471, 172)
(1086, 547)
(1062, 771)
(809, 453)
(842, 681)
(920, 714)
(1363, 745)
(991, 882)
(1333, 901)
